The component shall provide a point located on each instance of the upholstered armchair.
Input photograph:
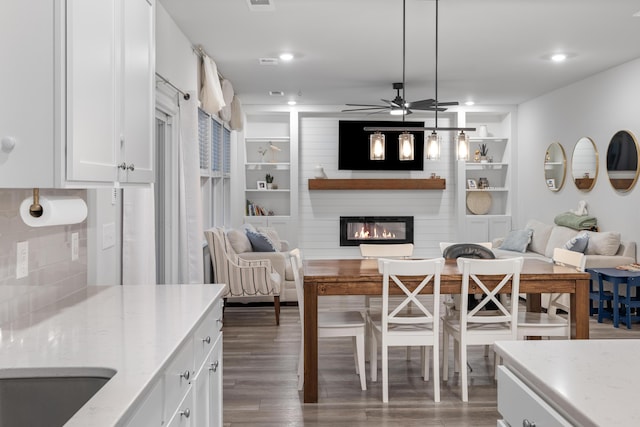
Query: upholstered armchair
(244, 278)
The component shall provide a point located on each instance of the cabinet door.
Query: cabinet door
(201, 396)
(27, 87)
(477, 230)
(215, 384)
(91, 90)
(136, 145)
(183, 415)
(281, 225)
(499, 227)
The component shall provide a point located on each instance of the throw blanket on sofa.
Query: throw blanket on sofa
(577, 222)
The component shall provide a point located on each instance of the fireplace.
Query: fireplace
(375, 229)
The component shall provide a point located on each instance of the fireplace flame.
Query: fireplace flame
(374, 233)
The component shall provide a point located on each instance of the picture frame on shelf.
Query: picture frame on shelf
(262, 185)
(551, 183)
(472, 184)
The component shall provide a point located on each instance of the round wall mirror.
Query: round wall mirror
(622, 161)
(584, 164)
(555, 166)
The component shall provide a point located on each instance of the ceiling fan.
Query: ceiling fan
(399, 105)
(395, 105)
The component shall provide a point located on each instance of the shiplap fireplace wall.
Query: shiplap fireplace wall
(320, 211)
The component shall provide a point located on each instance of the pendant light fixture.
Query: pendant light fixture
(405, 140)
(376, 146)
(432, 147)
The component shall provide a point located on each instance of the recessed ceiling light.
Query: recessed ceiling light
(286, 56)
(292, 102)
(558, 57)
(469, 103)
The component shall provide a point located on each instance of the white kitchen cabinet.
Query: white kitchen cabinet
(520, 405)
(80, 85)
(189, 390)
(485, 229)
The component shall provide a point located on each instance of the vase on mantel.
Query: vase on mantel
(482, 131)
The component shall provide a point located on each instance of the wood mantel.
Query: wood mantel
(377, 184)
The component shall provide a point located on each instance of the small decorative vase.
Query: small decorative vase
(269, 186)
(483, 159)
(482, 131)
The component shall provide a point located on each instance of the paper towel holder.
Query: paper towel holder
(35, 210)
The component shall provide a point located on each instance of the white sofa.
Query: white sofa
(605, 249)
(280, 260)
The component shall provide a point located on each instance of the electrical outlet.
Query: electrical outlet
(22, 263)
(114, 196)
(75, 247)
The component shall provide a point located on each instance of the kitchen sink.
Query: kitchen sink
(47, 397)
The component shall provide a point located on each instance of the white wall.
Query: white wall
(175, 59)
(596, 107)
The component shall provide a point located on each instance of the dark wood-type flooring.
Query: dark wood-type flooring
(260, 381)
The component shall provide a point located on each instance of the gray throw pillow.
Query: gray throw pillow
(260, 242)
(578, 243)
(517, 240)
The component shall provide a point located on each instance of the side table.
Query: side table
(619, 277)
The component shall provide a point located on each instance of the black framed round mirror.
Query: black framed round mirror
(622, 161)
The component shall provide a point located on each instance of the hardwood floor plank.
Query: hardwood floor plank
(260, 381)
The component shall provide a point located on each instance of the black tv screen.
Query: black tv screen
(353, 147)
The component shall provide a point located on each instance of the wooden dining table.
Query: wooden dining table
(324, 277)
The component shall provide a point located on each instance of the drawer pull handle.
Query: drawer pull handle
(185, 375)
(527, 423)
(186, 413)
(131, 167)
(122, 166)
(214, 367)
(207, 340)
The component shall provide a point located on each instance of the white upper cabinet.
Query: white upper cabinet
(79, 93)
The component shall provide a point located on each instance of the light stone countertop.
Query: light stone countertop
(592, 382)
(130, 329)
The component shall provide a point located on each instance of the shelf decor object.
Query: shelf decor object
(479, 202)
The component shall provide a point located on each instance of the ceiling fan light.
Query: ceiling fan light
(433, 147)
(463, 146)
(406, 142)
(395, 111)
(376, 146)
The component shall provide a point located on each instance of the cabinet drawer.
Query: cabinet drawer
(517, 403)
(177, 377)
(182, 413)
(205, 336)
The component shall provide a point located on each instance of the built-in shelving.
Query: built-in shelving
(377, 184)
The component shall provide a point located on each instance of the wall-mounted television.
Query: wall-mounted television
(353, 147)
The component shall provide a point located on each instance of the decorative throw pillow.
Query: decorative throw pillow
(578, 243)
(239, 241)
(517, 240)
(603, 243)
(260, 242)
(540, 236)
(273, 235)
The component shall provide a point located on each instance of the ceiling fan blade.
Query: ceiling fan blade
(422, 103)
(366, 105)
(449, 103)
(365, 109)
(392, 103)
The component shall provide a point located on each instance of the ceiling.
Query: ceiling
(350, 51)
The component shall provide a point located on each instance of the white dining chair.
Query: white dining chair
(331, 324)
(477, 326)
(550, 324)
(395, 325)
(376, 251)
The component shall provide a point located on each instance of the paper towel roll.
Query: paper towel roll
(55, 211)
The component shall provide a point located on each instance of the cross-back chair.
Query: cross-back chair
(331, 324)
(550, 324)
(395, 325)
(475, 326)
